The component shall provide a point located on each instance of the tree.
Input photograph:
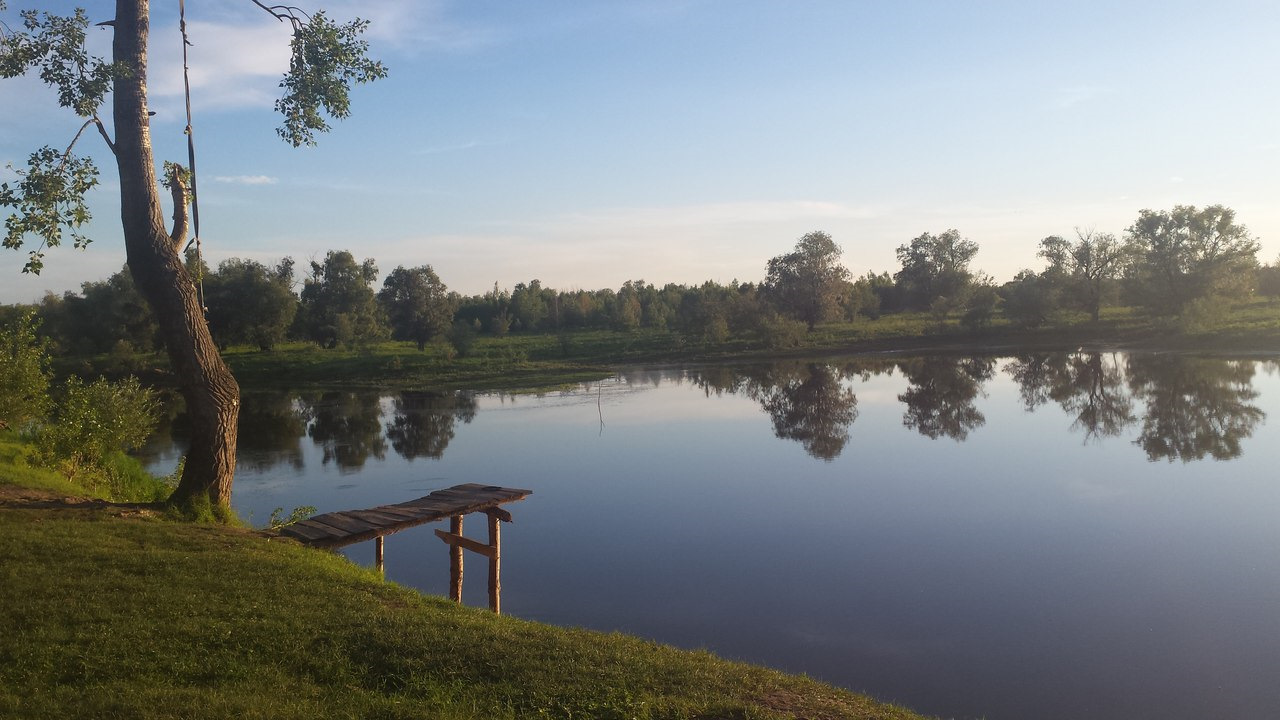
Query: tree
(104, 314)
(806, 283)
(250, 303)
(418, 305)
(338, 304)
(935, 270)
(980, 305)
(529, 307)
(1269, 279)
(49, 196)
(1030, 300)
(1186, 256)
(1086, 268)
(24, 373)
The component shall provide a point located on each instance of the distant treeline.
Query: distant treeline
(1186, 265)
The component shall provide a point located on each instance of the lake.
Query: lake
(1053, 535)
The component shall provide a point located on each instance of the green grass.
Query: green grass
(538, 360)
(111, 613)
(19, 466)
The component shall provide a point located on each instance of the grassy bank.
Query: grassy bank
(113, 612)
(519, 360)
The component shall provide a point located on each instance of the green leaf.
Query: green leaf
(327, 58)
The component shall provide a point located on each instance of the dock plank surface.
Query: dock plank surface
(338, 529)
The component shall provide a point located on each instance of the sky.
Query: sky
(588, 143)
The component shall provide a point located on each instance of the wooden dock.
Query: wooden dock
(338, 529)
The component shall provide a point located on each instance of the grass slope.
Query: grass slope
(109, 612)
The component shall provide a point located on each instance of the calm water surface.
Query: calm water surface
(1050, 536)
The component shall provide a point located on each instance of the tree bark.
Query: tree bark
(154, 257)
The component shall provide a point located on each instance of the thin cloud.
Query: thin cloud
(246, 179)
(713, 214)
(1079, 94)
(413, 26)
(470, 145)
(232, 65)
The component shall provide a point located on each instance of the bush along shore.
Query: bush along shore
(536, 359)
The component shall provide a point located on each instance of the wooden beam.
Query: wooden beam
(495, 584)
(455, 560)
(499, 513)
(377, 552)
(458, 542)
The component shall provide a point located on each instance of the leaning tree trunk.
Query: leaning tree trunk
(154, 256)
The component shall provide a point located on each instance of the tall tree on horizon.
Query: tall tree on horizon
(807, 282)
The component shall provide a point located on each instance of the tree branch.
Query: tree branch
(102, 130)
(295, 15)
(178, 188)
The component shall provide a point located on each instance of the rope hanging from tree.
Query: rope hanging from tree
(191, 154)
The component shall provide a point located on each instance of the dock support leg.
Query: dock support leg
(495, 584)
(455, 561)
(377, 553)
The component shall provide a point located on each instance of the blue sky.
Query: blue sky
(587, 143)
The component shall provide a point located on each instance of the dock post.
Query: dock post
(377, 554)
(455, 561)
(495, 584)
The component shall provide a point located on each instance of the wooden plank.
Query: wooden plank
(376, 519)
(310, 532)
(393, 511)
(495, 558)
(457, 542)
(344, 522)
(499, 513)
(455, 560)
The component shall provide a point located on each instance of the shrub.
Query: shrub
(24, 374)
(96, 419)
(780, 333)
(462, 336)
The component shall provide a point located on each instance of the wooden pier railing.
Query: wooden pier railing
(338, 529)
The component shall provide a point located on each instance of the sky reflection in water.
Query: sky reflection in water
(1050, 536)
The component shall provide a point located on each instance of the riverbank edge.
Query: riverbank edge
(541, 373)
(111, 609)
(533, 361)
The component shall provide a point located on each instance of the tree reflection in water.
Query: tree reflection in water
(809, 404)
(1088, 386)
(347, 426)
(1185, 408)
(271, 428)
(1195, 407)
(423, 422)
(940, 398)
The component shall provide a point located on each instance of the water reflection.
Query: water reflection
(1089, 386)
(1179, 407)
(809, 404)
(422, 423)
(943, 388)
(272, 425)
(1195, 407)
(347, 426)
